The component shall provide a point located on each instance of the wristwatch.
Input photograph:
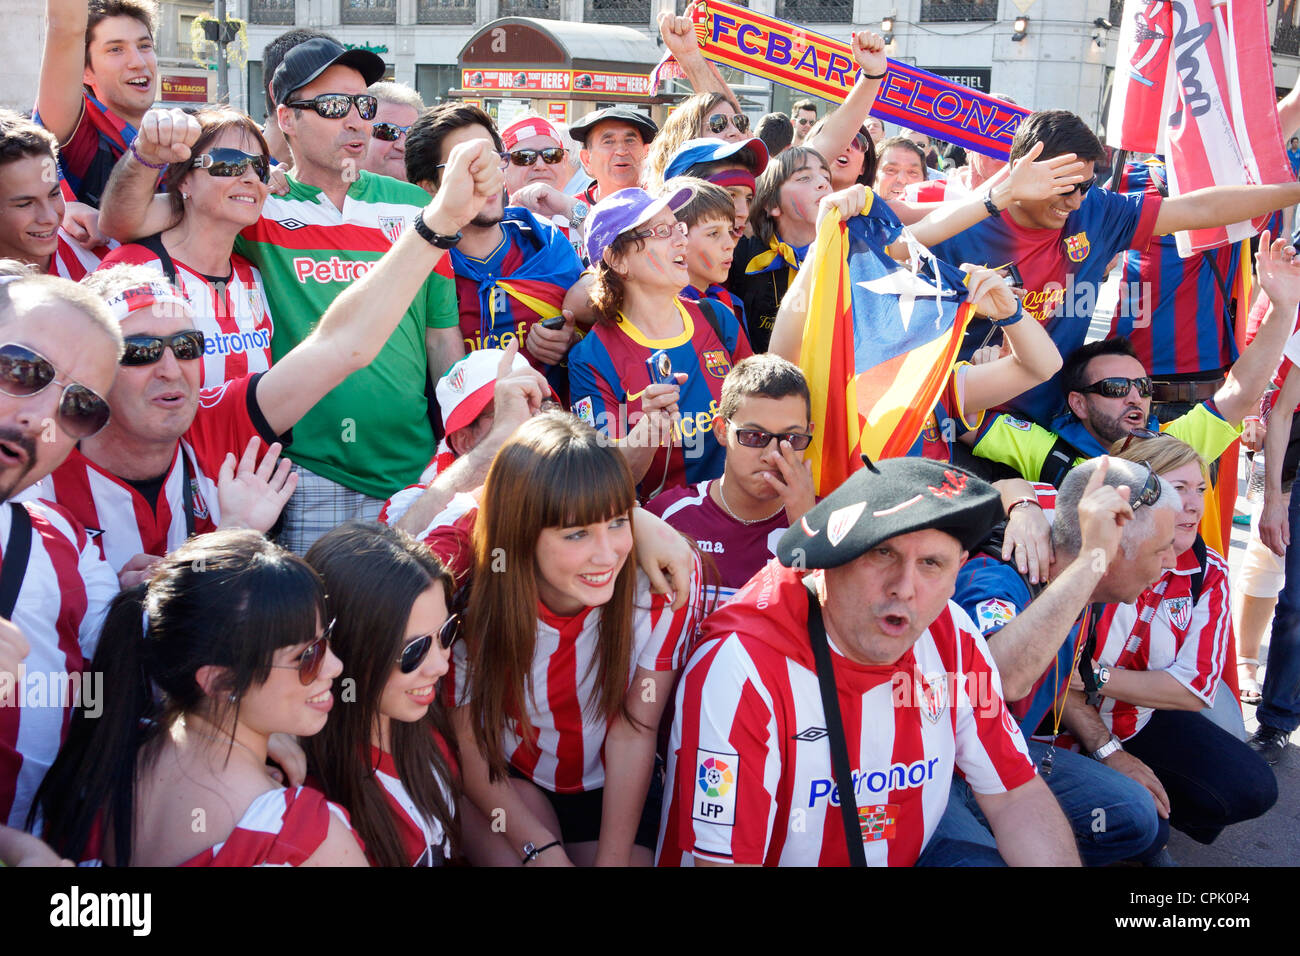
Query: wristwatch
(531, 850)
(434, 239)
(992, 209)
(579, 216)
(1101, 675)
(1105, 750)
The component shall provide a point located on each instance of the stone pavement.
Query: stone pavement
(1273, 839)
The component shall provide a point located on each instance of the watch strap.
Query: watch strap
(992, 209)
(434, 239)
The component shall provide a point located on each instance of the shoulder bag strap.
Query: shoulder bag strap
(17, 549)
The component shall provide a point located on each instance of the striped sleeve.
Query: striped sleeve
(728, 765)
(991, 751)
(1201, 656)
(672, 632)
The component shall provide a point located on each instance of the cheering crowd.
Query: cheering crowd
(385, 488)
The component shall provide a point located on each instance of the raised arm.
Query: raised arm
(1216, 206)
(130, 208)
(1034, 357)
(1278, 269)
(63, 63)
(359, 322)
(843, 122)
(679, 37)
(1274, 525)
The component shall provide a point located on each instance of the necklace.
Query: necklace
(223, 740)
(722, 497)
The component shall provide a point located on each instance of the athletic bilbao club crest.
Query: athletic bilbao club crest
(200, 506)
(932, 696)
(716, 363)
(392, 226)
(255, 304)
(1076, 246)
(456, 380)
(841, 522)
(1179, 611)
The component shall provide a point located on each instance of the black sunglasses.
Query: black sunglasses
(1141, 434)
(1081, 188)
(526, 157)
(718, 122)
(1150, 492)
(389, 132)
(24, 372)
(756, 438)
(224, 161)
(337, 105)
(1118, 386)
(414, 653)
(312, 658)
(148, 349)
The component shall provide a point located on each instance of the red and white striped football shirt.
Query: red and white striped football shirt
(280, 828)
(71, 260)
(61, 605)
(232, 314)
(122, 521)
(423, 837)
(401, 501)
(750, 763)
(1165, 631)
(566, 751)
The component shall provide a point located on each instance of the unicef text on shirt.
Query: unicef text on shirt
(1078, 300)
(691, 433)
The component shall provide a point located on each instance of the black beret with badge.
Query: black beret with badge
(891, 497)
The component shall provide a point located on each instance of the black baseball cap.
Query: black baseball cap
(310, 59)
(895, 496)
(622, 114)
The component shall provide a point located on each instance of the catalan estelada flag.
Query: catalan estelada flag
(879, 344)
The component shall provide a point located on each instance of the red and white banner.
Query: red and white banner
(1194, 83)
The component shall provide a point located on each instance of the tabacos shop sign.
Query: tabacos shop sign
(174, 88)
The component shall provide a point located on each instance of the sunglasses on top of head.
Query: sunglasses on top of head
(718, 122)
(148, 349)
(337, 105)
(389, 132)
(309, 662)
(417, 649)
(226, 162)
(24, 372)
(1150, 492)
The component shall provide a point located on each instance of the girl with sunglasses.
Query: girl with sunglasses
(702, 116)
(1157, 669)
(387, 755)
(226, 645)
(661, 418)
(214, 196)
(569, 659)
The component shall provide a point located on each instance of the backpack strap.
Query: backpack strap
(1059, 461)
(155, 245)
(707, 308)
(1198, 578)
(17, 550)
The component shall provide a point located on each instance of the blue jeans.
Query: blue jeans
(1212, 778)
(1280, 708)
(1113, 817)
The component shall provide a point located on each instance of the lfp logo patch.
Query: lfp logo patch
(716, 778)
(993, 614)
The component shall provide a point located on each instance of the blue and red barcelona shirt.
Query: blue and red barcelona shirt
(1175, 310)
(608, 373)
(87, 158)
(1062, 272)
(718, 294)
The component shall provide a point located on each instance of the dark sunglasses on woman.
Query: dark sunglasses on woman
(718, 122)
(312, 658)
(24, 372)
(416, 650)
(224, 162)
(337, 105)
(389, 132)
(148, 349)
(526, 157)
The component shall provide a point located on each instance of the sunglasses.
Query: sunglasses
(389, 132)
(312, 658)
(503, 158)
(148, 349)
(1141, 434)
(756, 438)
(338, 105)
(718, 122)
(1117, 387)
(1081, 188)
(859, 143)
(414, 653)
(25, 372)
(526, 157)
(661, 231)
(226, 162)
(1150, 492)
(803, 122)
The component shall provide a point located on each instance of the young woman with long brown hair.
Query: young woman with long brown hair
(384, 753)
(570, 659)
